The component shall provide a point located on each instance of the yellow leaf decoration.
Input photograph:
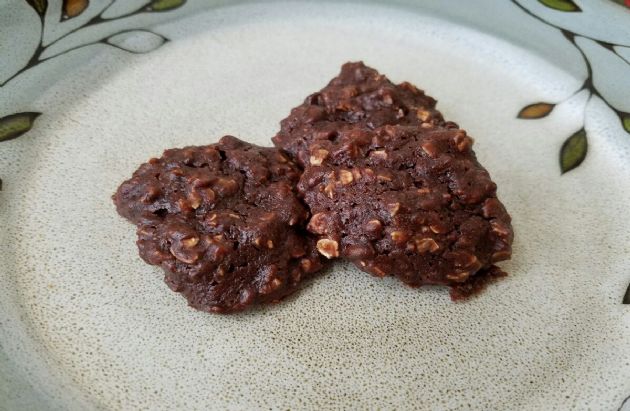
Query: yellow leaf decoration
(537, 110)
(164, 5)
(73, 8)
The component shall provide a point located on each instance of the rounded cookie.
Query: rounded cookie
(224, 221)
(358, 97)
(408, 201)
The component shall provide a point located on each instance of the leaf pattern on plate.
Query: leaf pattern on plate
(40, 6)
(573, 151)
(536, 110)
(14, 125)
(164, 5)
(136, 41)
(73, 8)
(562, 5)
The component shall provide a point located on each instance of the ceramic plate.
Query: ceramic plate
(89, 90)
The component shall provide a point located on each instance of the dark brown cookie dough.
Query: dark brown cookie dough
(408, 201)
(359, 97)
(224, 222)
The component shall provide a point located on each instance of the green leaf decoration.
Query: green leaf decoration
(15, 125)
(626, 298)
(625, 121)
(562, 5)
(40, 6)
(536, 110)
(573, 151)
(164, 5)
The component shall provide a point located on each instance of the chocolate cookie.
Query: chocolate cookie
(224, 221)
(408, 201)
(359, 97)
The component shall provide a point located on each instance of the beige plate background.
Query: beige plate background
(85, 324)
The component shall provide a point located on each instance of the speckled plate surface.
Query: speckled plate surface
(85, 324)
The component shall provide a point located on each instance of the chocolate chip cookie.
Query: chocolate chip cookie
(359, 97)
(224, 221)
(410, 201)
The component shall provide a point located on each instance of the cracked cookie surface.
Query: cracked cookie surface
(408, 201)
(224, 222)
(359, 97)
(394, 187)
